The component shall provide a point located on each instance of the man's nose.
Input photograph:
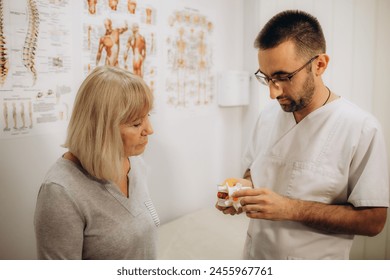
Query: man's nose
(274, 90)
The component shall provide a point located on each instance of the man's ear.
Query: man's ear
(321, 63)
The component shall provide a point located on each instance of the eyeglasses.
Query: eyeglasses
(287, 78)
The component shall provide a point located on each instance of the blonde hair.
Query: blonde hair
(107, 98)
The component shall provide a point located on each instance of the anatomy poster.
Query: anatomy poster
(35, 62)
(122, 34)
(190, 79)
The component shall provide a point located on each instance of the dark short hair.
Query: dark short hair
(300, 27)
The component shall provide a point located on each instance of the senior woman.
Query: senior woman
(94, 202)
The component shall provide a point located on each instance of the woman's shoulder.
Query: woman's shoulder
(66, 174)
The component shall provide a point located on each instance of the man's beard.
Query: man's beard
(306, 98)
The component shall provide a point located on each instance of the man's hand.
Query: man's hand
(231, 210)
(263, 203)
(228, 210)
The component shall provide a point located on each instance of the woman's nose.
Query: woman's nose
(148, 128)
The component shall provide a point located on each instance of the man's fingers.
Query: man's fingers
(229, 210)
(249, 192)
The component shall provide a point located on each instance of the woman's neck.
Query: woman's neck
(122, 182)
(71, 157)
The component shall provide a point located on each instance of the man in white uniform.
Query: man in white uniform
(317, 163)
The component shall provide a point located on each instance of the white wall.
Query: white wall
(357, 33)
(191, 152)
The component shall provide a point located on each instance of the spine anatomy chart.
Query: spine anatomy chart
(36, 69)
(30, 44)
(4, 63)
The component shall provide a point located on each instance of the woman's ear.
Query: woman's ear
(321, 64)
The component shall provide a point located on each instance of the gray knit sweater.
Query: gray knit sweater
(79, 217)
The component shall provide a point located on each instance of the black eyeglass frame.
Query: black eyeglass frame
(265, 80)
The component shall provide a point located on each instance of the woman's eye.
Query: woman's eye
(136, 123)
(133, 124)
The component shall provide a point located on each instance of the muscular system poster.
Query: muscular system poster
(122, 34)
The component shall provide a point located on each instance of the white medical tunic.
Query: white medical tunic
(335, 155)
